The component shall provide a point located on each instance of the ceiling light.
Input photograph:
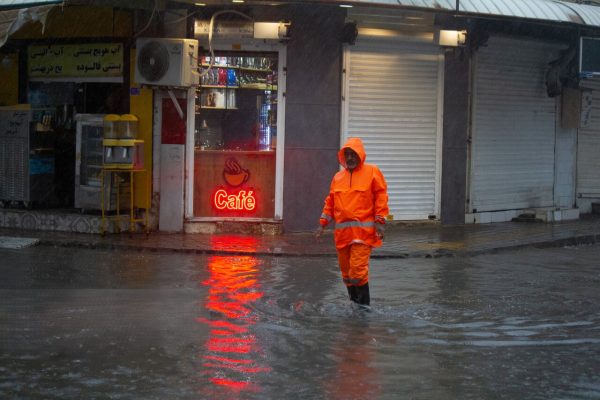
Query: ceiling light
(345, 5)
(452, 38)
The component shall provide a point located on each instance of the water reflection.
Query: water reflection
(232, 357)
(234, 243)
(355, 375)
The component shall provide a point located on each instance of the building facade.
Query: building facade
(496, 126)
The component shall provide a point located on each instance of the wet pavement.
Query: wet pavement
(402, 239)
(106, 324)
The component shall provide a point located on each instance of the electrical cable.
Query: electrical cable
(210, 35)
(154, 11)
(182, 18)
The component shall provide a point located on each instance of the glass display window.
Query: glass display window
(235, 136)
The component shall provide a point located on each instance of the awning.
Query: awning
(11, 19)
(542, 10)
(6, 4)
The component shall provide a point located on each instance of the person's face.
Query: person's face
(351, 158)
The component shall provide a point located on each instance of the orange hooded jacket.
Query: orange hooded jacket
(357, 200)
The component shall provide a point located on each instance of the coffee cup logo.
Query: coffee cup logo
(234, 174)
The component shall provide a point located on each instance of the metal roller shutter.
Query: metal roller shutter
(513, 134)
(588, 148)
(392, 101)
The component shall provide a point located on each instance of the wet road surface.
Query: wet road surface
(92, 324)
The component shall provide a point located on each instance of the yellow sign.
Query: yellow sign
(75, 60)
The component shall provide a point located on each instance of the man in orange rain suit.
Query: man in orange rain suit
(358, 204)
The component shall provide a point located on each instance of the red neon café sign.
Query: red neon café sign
(242, 201)
(234, 176)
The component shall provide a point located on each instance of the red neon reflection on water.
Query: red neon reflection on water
(239, 243)
(231, 384)
(231, 351)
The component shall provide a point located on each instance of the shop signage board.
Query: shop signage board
(242, 201)
(92, 60)
(234, 175)
(240, 185)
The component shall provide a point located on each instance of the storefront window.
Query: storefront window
(235, 138)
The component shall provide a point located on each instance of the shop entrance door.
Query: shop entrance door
(237, 143)
(513, 129)
(392, 100)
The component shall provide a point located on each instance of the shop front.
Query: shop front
(588, 149)
(237, 149)
(64, 82)
(70, 77)
(517, 145)
(393, 91)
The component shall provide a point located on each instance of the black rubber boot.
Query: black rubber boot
(362, 294)
(352, 293)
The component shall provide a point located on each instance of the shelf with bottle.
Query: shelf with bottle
(244, 77)
(258, 86)
(220, 77)
(237, 61)
(252, 69)
(218, 87)
(250, 86)
(217, 108)
(205, 65)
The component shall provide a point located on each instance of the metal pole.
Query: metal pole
(457, 5)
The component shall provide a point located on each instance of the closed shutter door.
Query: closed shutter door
(588, 147)
(512, 160)
(391, 102)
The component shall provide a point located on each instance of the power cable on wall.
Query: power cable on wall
(210, 35)
(154, 11)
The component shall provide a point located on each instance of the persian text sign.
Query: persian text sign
(75, 60)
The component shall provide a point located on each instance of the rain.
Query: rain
(80, 323)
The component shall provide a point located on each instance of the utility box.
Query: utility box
(576, 110)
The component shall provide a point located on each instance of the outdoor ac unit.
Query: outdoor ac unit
(166, 62)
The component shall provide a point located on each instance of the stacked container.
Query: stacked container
(128, 126)
(121, 147)
(111, 126)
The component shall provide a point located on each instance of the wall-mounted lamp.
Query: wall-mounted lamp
(271, 30)
(452, 38)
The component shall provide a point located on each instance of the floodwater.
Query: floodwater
(87, 324)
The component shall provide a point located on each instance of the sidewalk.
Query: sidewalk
(402, 240)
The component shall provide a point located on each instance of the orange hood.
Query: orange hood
(357, 145)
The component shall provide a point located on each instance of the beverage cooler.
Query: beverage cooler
(88, 166)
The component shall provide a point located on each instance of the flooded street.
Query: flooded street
(93, 324)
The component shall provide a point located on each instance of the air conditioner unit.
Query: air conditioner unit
(166, 62)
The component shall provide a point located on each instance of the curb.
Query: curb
(439, 253)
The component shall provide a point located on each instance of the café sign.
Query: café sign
(230, 198)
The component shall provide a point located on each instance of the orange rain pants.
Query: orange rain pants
(354, 263)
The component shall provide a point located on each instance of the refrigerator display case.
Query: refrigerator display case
(89, 163)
